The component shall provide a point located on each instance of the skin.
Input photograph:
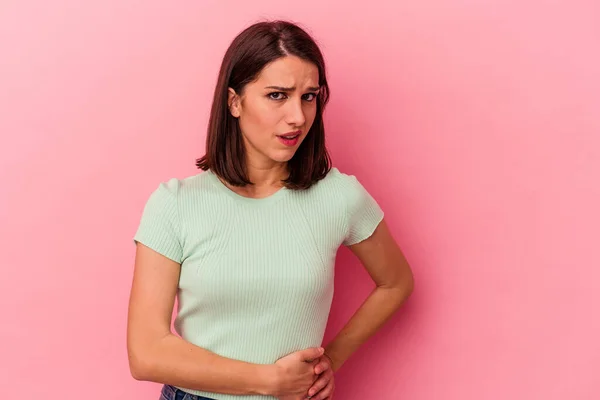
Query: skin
(156, 354)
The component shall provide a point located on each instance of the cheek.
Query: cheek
(260, 120)
(310, 114)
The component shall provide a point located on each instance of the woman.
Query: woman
(248, 246)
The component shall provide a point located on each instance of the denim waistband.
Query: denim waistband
(172, 393)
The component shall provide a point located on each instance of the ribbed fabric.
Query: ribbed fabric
(257, 275)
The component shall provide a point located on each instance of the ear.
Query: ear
(233, 102)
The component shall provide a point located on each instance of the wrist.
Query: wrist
(328, 357)
(335, 364)
(267, 380)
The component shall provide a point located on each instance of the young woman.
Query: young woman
(248, 246)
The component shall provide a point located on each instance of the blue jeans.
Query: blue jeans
(172, 393)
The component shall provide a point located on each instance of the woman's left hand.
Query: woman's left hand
(324, 386)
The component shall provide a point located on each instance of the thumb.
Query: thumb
(311, 353)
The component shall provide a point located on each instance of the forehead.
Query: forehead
(289, 71)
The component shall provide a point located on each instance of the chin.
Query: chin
(283, 156)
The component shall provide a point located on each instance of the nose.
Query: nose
(295, 114)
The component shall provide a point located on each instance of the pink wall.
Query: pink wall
(475, 124)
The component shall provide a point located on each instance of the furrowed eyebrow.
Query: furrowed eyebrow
(291, 89)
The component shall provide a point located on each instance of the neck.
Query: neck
(267, 175)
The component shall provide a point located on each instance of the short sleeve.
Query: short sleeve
(159, 226)
(363, 213)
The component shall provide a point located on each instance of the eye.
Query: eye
(276, 95)
(310, 96)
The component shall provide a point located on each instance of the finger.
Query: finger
(313, 363)
(326, 393)
(311, 353)
(319, 384)
(321, 367)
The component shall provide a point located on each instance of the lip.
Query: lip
(290, 142)
(298, 132)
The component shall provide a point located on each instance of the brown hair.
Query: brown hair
(248, 54)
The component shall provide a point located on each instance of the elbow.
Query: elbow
(144, 354)
(403, 287)
(137, 374)
(140, 365)
(138, 369)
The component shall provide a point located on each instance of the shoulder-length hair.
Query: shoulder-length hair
(247, 55)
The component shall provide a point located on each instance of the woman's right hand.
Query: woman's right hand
(294, 374)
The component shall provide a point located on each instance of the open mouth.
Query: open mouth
(290, 139)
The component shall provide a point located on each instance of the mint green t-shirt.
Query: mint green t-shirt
(257, 275)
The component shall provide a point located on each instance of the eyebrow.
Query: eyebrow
(291, 89)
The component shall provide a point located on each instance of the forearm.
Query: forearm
(376, 310)
(174, 361)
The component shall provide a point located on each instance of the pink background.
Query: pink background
(475, 124)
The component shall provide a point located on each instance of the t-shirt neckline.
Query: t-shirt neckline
(249, 200)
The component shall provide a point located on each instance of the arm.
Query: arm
(156, 354)
(393, 277)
